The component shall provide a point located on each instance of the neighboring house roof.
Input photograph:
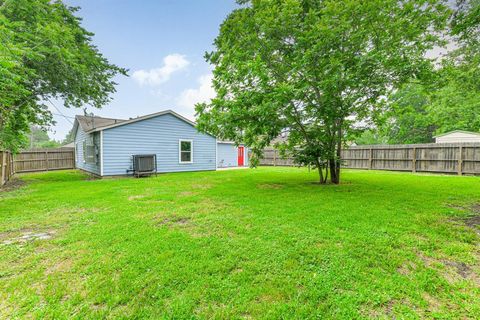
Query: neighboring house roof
(457, 131)
(69, 145)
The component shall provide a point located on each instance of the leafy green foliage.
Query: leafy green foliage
(259, 244)
(46, 53)
(313, 68)
(456, 102)
(450, 99)
(371, 136)
(408, 120)
(69, 137)
(38, 138)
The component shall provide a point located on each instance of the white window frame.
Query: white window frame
(77, 151)
(89, 142)
(84, 150)
(180, 151)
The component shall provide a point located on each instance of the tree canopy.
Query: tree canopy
(450, 99)
(46, 53)
(314, 68)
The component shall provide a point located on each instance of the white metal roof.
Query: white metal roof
(457, 131)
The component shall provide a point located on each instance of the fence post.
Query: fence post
(414, 160)
(12, 163)
(46, 160)
(4, 167)
(460, 161)
(274, 157)
(370, 159)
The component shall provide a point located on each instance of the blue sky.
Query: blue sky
(162, 43)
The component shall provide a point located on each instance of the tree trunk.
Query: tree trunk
(335, 163)
(320, 172)
(334, 177)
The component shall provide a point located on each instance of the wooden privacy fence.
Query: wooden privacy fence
(6, 167)
(44, 160)
(457, 158)
(35, 160)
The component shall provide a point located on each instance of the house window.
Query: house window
(84, 149)
(89, 154)
(185, 151)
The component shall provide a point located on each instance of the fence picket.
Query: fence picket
(44, 160)
(456, 158)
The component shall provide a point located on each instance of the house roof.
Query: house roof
(148, 116)
(457, 131)
(90, 123)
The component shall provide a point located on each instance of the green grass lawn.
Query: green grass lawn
(262, 243)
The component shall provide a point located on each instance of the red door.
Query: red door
(241, 156)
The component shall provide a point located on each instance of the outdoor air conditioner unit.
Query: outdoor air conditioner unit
(144, 164)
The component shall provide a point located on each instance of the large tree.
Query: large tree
(456, 103)
(46, 53)
(314, 68)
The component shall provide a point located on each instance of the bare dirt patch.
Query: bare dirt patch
(433, 303)
(60, 266)
(13, 184)
(407, 268)
(174, 220)
(452, 271)
(385, 310)
(136, 197)
(201, 186)
(28, 236)
(269, 186)
(461, 268)
(187, 193)
(91, 177)
(473, 219)
(389, 307)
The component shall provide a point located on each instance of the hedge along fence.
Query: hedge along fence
(35, 160)
(457, 158)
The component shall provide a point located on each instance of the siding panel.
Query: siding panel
(227, 155)
(79, 161)
(160, 136)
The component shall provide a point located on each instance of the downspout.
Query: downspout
(101, 153)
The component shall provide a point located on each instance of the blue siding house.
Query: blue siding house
(105, 146)
(229, 155)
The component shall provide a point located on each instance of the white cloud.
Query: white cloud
(154, 77)
(204, 93)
